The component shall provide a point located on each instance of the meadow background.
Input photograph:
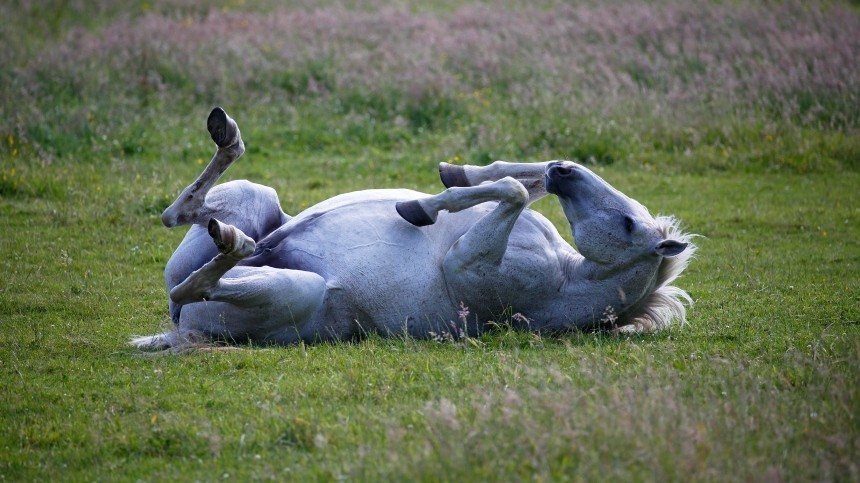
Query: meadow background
(741, 118)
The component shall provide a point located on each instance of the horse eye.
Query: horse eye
(629, 224)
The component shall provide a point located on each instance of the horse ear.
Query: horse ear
(669, 248)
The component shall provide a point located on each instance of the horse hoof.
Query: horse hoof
(222, 236)
(230, 240)
(453, 175)
(222, 128)
(412, 212)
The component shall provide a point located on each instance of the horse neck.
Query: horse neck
(597, 292)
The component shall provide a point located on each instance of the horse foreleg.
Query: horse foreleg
(191, 205)
(530, 175)
(488, 238)
(475, 261)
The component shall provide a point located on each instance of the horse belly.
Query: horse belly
(382, 274)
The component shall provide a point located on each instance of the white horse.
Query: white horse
(397, 261)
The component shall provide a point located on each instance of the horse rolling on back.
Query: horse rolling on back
(398, 261)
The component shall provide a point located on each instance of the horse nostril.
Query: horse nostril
(563, 170)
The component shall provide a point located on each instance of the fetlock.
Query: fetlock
(230, 240)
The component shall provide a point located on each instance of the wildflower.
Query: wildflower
(463, 313)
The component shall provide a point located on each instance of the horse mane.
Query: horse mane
(666, 302)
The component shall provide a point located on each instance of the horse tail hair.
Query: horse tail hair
(157, 342)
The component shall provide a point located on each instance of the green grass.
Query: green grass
(762, 380)
(761, 384)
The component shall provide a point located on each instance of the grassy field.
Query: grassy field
(741, 118)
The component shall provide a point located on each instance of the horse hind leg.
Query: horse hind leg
(252, 208)
(190, 206)
(233, 246)
(224, 301)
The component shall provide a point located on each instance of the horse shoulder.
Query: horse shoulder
(536, 256)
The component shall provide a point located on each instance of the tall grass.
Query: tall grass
(580, 80)
(552, 423)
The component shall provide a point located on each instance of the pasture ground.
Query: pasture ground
(102, 126)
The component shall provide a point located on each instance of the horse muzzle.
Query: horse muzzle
(559, 175)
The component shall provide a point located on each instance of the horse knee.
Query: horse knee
(513, 191)
(295, 292)
(279, 291)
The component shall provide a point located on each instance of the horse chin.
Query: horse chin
(553, 186)
(549, 185)
(563, 187)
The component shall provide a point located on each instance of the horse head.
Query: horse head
(623, 244)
